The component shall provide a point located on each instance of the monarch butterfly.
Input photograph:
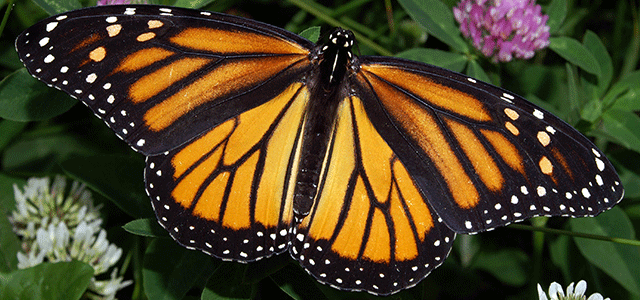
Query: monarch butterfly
(259, 142)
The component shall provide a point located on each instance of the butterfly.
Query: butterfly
(260, 142)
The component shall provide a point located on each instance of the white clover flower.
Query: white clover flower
(54, 227)
(556, 292)
(42, 204)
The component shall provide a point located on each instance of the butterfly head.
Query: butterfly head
(336, 56)
(342, 38)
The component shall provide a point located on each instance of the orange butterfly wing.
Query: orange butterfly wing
(491, 158)
(369, 228)
(227, 192)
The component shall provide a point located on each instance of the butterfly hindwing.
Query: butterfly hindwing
(369, 228)
(228, 191)
(493, 157)
(151, 71)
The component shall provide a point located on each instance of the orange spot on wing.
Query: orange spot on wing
(155, 24)
(545, 166)
(512, 114)
(145, 36)
(113, 30)
(512, 128)
(543, 138)
(98, 54)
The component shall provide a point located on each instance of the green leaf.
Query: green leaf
(623, 127)
(577, 54)
(118, 178)
(226, 283)
(630, 83)
(448, 60)
(628, 101)
(10, 129)
(557, 11)
(631, 183)
(42, 153)
(571, 111)
(509, 265)
(592, 111)
(475, 70)
(558, 251)
(192, 3)
(145, 227)
(9, 246)
(63, 280)
(7, 199)
(9, 57)
(54, 7)
(24, 98)
(170, 270)
(297, 284)
(311, 33)
(259, 270)
(437, 20)
(621, 262)
(593, 43)
(9, 243)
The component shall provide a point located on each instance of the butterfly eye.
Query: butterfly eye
(259, 142)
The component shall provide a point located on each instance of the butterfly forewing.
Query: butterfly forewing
(493, 157)
(150, 71)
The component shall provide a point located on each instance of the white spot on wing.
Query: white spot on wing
(538, 114)
(51, 26)
(44, 41)
(49, 58)
(600, 164)
(91, 78)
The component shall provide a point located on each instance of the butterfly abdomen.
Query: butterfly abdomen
(320, 119)
(318, 129)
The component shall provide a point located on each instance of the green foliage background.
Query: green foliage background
(588, 76)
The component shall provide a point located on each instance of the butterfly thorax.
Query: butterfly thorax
(334, 58)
